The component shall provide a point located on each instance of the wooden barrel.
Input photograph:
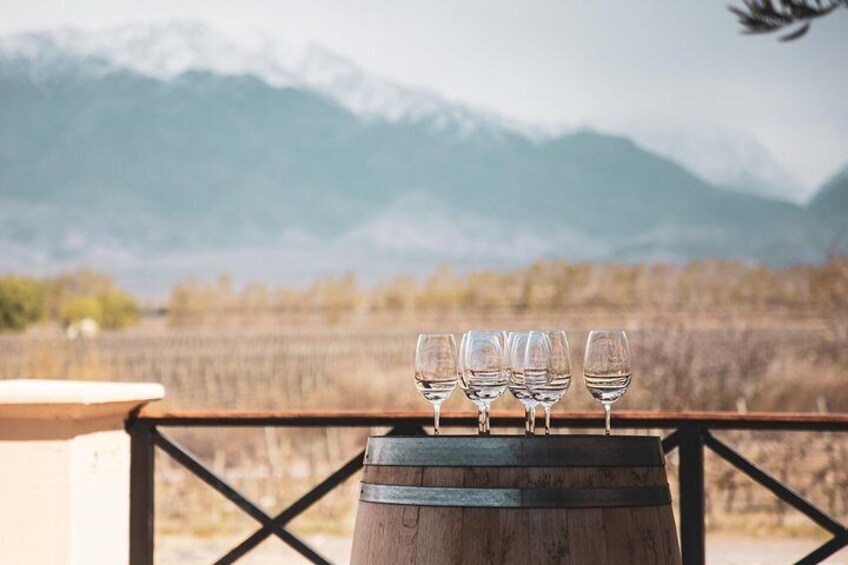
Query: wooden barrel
(482, 500)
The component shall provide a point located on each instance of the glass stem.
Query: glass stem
(488, 420)
(528, 424)
(533, 420)
(481, 420)
(547, 420)
(437, 410)
(607, 408)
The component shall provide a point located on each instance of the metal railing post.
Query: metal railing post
(141, 493)
(691, 479)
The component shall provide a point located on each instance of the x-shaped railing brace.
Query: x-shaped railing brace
(270, 525)
(783, 492)
(276, 525)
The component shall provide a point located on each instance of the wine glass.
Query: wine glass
(435, 370)
(549, 394)
(516, 346)
(483, 422)
(460, 360)
(484, 378)
(463, 383)
(536, 361)
(606, 368)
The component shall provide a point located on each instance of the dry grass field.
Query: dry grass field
(687, 360)
(725, 354)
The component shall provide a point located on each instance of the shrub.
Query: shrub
(118, 310)
(21, 302)
(81, 307)
(111, 310)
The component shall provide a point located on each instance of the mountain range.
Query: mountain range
(832, 198)
(160, 152)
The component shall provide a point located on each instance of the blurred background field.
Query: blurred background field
(707, 336)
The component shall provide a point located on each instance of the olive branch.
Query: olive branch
(767, 16)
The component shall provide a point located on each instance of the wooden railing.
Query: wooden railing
(688, 432)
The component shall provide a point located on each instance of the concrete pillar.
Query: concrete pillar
(65, 470)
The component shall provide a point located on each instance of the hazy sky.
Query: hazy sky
(611, 64)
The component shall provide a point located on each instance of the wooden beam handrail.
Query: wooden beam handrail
(796, 421)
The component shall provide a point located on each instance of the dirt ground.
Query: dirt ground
(722, 549)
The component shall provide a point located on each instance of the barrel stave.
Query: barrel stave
(443, 523)
(668, 534)
(514, 533)
(585, 528)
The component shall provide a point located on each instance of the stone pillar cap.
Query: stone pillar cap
(60, 399)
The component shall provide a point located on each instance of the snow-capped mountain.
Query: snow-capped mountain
(171, 151)
(165, 51)
(832, 197)
(733, 160)
(161, 51)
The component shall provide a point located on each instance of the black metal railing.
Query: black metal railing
(690, 434)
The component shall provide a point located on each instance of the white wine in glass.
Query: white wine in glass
(552, 392)
(606, 368)
(463, 384)
(537, 360)
(435, 370)
(516, 344)
(484, 377)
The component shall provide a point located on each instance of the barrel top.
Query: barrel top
(515, 451)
